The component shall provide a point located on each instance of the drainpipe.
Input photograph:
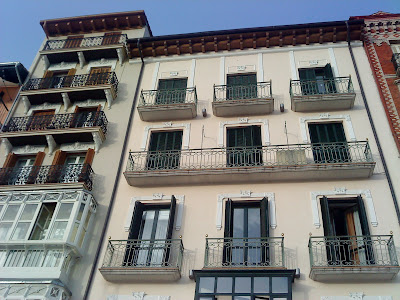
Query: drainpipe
(378, 144)
(119, 172)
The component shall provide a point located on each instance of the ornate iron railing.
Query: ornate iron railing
(168, 97)
(58, 82)
(85, 42)
(336, 85)
(396, 63)
(59, 121)
(48, 174)
(260, 90)
(244, 252)
(303, 155)
(144, 254)
(352, 251)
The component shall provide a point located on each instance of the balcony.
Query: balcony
(321, 95)
(354, 258)
(142, 260)
(91, 48)
(244, 253)
(259, 164)
(396, 63)
(243, 100)
(68, 89)
(171, 104)
(65, 176)
(65, 128)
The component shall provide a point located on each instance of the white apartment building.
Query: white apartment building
(60, 154)
(253, 172)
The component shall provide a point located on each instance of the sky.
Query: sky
(21, 34)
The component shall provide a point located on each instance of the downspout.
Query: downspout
(119, 172)
(378, 144)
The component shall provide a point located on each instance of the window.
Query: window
(164, 150)
(22, 170)
(244, 146)
(329, 142)
(171, 91)
(241, 86)
(317, 80)
(41, 119)
(149, 234)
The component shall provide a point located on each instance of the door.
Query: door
(86, 116)
(329, 144)
(244, 147)
(164, 150)
(72, 169)
(22, 170)
(243, 86)
(98, 75)
(171, 91)
(41, 119)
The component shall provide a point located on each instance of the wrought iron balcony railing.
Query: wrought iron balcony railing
(260, 90)
(168, 97)
(131, 254)
(396, 63)
(59, 121)
(352, 251)
(266, 252)
(59, 82)
(71, 173)
(85, 42)
(336, 85)
(303, 155)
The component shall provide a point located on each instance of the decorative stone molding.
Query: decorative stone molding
(43, 106)
(89, 103)
(28, 149)
(312, 63)
(137, 296)
(77, 146)
(175, 74)
(62, 66)
(357, 296)
(104, 62)
(351, 136)
(224, 124)
(180, 201)
(46, 62)
(66, 100)
(121, 56)
(109, 98)
(7, 146)
(51, 143)
(366, 195)
(168, 125)
(97, 141)
(26, 103)
(250, 196)
(241, 69)
(82, 60)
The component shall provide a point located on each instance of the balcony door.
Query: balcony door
(41, 119)
(171, 91)
(241, 86)
(22, 170)
(164, 150)
(329, 143)
(98, 75)
(245, 224)
(85, 116)
(244, 146)
(347, 232)
(150, 234)
(73, 166)
(317, 80)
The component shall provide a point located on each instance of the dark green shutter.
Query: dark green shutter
(326, 217)
(363, 216)
(329, 82)
(328, 71)
(171, 218)
(264, 214)
(242, 86)
(134, 228)
(171, 91)
(308, 81)
(228, 229)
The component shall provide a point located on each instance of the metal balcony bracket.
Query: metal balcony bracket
(66, 100)
(97, 141)
(7, 146)
(51, 143)
(121, 56)
(109, 98)
(82, 60)
(26, 103)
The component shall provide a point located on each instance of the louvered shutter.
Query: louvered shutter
(326, 217)
(228, 233)
(265, 244)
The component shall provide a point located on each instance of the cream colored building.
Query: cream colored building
(60, 154)
(253, 172)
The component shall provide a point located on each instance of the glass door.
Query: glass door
(22, 170)
(73, 168)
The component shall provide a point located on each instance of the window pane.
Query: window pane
(243, 285)
(261, 285)
(279, 284)
(80, 213)
(29, 211)
(238, 222)
(65, 211)
(74, 232)
(43, 221)
(254, 227)
(20, 231)
(162, 224)
(242, 298)
(206, 285)
(4, 228)
(147, 225)
(224, 285)
(11, 212)
(58, 230)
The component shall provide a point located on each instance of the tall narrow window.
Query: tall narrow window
(244, 147)
(241, 86)
(317, 80)
(22, 170)
(43, 221)
(171, 91)
(164, 150)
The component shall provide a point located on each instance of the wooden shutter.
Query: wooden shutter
(228, 229)
(326, 217)
(134, 228)
(73, 41)
(71, 72)
(89, 156)
(171, 219)
(11, 160)
(264, 214)
(48, 74)
(39, 159)
(59, 157)
(111, 38)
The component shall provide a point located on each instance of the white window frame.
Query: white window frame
(168, 126)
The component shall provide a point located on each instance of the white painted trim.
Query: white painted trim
(243, 121)
(260, 73)
(104, 62)
(167, 125)
(62, 66)
(243, 196)
(366, 195)
(180, 203)
(191, 73)
(244, 52)
(28, 149)
(333, 62)
(293, 68)
(44, 106)
(222, 71)
(350, 134)
(155, 75)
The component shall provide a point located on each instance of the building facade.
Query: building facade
(60, 154)
(253, 172)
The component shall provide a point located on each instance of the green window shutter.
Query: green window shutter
(171, 91)
(264, 218)
(248, 136)
(228, 228)
(307, 74)
(326, 133)
(326, 217)
(328, 71)
(363, 216)
(243, 86)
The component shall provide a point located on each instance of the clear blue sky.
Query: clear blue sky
(21, 34)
